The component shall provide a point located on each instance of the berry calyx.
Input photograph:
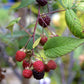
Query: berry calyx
(26, 64)
(20, 55)
(51, 64)
(43, 40)
(27, 73)
(38, 75)
(46, 68)
(44, 20)
(38, 66)
(42, 2)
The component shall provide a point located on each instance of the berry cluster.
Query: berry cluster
(2, 76)
(37, 68)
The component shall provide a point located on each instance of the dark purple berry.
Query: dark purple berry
(38, 75)
(42, 2)
(44, 21)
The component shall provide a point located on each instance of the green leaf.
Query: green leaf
(61, 3)
(16, 34)
(74, 23)
(66, 3)
(25, 3)
(15, 5)
(59, 46)
(36, 42)
(80, 7)
(11, 24)
(22, 41)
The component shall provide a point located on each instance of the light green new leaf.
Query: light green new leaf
(59, 46)
(36, 42)
(11, 24)
(25, 3)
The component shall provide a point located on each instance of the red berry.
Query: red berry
(27, 73)
(46, 68)
(38, 66)
(20, 55)
(26, 64)
(44, 21)
(42, 2)
(51, 64)
(43, 40)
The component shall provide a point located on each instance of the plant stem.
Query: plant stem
(27, 42)
(36, 25)
(57, 11)
(24, 29)
(35, 29)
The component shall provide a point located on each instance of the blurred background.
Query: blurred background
(70, 68)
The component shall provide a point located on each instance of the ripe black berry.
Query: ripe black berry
(38, 75)
(42, 2)
(44, 20)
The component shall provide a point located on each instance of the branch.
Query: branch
(36, 24)
(24, 29)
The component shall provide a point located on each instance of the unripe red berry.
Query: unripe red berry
(46, 68)
(38, 66)
(43, 40)
(44, 20)
(27, 73)
(20, 55)
(26, 64)
(42, 2)
(51, 64)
